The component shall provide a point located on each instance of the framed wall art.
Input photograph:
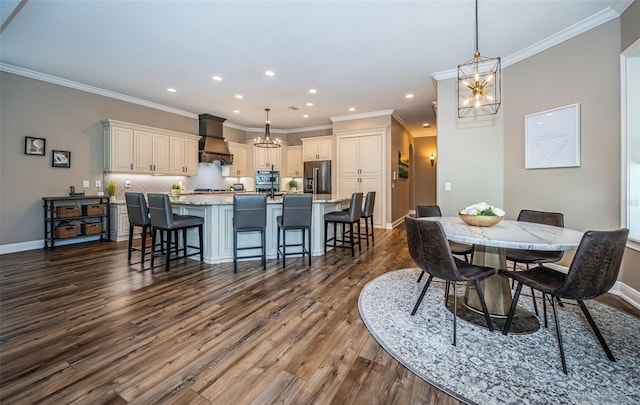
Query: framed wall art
(403, 165)
(60, 158)
(34, 146)
(552, 138)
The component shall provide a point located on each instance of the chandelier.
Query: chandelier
(267, 142)
(479, 84)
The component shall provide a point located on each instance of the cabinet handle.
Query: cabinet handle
(131, 166)
(154, 168)
(151, 168)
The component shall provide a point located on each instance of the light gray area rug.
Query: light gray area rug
(490, 368)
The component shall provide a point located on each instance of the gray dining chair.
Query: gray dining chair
(296, 215)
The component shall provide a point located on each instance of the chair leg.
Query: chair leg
(604, 345)
(235, 250)
(167, 256)
(335, 234)
(366, 230)
(130, 243)
(512, 309)
(544, 309)
(309, 242)
(446, 292)
(353, 251)
(373, 241)
(420, 277)
(184, 242)
(278, 244)
(455, 311)
(533, 297)
(284, 248)
(153, 245)
(424, 291)
(484, 305)
(143, 247)
(264, 249)
(360, 240)
(555, 316)
(201, 241)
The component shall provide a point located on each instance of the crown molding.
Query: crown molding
(91, 89)
(276, 131)
(371, 114)
(576, 29)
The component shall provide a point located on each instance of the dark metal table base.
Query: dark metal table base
(524, 322)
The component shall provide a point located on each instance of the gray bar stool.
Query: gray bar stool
(352, 216)
(367, 215)
(164, 220)
(296, 215)
(138, 214)
(249, 215)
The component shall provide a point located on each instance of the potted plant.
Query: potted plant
(293, 185)
(111, 190)
(175, 189)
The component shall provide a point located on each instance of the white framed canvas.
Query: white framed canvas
(552, 138)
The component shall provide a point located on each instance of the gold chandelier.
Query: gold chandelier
(267, 142)
(479, 83)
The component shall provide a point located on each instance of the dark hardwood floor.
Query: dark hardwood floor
(79, 325)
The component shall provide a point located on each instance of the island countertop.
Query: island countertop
(227, 199)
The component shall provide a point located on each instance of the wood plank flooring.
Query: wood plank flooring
(78, 325)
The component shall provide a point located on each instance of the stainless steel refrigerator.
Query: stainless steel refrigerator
(317, 177)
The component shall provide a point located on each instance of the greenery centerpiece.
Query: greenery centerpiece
(293, 184)
(481, 214)
(111, 190)
(175, 189)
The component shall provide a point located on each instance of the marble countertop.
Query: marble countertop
(511, 234)
(224, 199)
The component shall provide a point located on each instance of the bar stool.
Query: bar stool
(249, 215)
(296, 215)
(164, 220)
(138, 214)
(367, 214)
(344, 217)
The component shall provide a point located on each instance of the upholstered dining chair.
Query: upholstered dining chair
(593, 271)
(461, 249)
(429, 249)
(528, 257)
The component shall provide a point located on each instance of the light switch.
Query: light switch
(98, 184)
(127, 183)
(85, 183)
(447, 186)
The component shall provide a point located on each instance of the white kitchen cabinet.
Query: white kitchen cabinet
(360, 169)
(119, 222)
(317, 148)
(118, 149)
(151, 152)
(294, 161)
(264, 158)
(141, 149)
(239, 166)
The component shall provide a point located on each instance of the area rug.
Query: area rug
(490, 368)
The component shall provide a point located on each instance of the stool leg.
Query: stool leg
(278, 245)
(264, 249)
(167, 255)
(373, 241)
(201, 240)
(350, 238)
(144, 244)
(326, 236)
(184, 242)
(153, 245)
(366, 230)
(335, 234)
(130, 242)
(284, 247)
(360, 240)
(235, 250)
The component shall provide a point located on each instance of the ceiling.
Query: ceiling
(362, 54)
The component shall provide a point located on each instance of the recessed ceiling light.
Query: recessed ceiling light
(269, 73)
(238, 96)
(313, 91)
(352, 108)
(408, 95)
(305, 116)
(426, 125)
(236, 111)
(171, 90)
(217, 78)
(309, 104)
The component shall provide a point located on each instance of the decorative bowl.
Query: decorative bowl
(480, 220)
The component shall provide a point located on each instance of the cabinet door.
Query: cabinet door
(348, 185)
(274, 155)
(373, 184)
(261, 158)
(349, 158)
(177, 154)
(143, 161)
(121, 149)
(190, 157)
(239, 167)
(370, 153)
(294, 162)
(324, 149)
(161, 156)
(309, 150)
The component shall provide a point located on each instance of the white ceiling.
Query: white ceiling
(362, 54)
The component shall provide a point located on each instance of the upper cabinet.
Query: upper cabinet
(239, 166)
(294, 161)
(317, 148)
(264, 158)
(140, 149)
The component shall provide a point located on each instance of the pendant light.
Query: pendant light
(267, 142)
(479, 83)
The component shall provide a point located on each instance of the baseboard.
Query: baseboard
(39, 244)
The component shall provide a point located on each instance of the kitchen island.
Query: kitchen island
(217, 211)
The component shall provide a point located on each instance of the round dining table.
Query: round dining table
(489, 244)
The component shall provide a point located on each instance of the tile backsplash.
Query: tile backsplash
(209, 176)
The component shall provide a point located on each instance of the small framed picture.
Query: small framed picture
(34, 146)
(60, 158)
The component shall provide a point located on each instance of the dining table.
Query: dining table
(489, 245)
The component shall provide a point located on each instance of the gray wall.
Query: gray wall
(401, 140)
(424, 183)
(69, 120)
